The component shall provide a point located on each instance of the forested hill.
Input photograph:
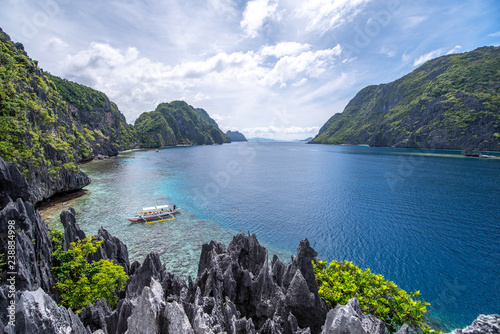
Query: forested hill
(48, 125)
(177, 123)
(451, 102)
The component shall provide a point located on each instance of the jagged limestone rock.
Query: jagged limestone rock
(36, 312)
(145, 317)
(484, 324)
(177, 320)
(348, 319)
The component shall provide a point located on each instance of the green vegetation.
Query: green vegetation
(442, 104)
(79, 282)
(52, 122)
(177, 123)
(2, 263)
(338, 282)
(82, 97)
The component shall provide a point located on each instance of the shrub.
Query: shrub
(338, 282)
(79, 282)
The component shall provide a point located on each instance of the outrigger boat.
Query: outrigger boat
(154, 213)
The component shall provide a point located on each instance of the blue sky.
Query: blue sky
(269, 68)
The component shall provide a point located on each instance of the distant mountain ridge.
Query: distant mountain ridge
(235, 136)
(451, 102)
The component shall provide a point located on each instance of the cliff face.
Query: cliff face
(451, 102)
(235, 136)
(177, 123)
(48, 125)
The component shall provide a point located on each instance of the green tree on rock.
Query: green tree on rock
(340, 281)
(79, 282)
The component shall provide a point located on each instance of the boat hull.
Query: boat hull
(151, 216)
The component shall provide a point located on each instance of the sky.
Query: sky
(268, 68)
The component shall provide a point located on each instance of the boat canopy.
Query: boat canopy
(158, 207)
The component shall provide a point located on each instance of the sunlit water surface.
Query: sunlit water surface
(428, 220)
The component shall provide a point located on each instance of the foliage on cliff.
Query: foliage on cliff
(177, 123)
(48, 125)
(79, 282)
(450, 102)
(338, 282)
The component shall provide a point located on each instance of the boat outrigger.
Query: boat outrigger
(155, 214)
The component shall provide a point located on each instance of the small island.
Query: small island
(235, 136)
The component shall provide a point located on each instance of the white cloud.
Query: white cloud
(310, 63)
(300, 83)
(135, 82)
(54, 44)
(435, 53)
(454, 50)
(413, 21)
(388, 51)
(496, 34)
(324, 15)
(428, 56)
(255, 14)
(284, 49)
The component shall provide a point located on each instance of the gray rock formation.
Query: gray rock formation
(72, 231)
(33, 247)
(484, 324)
(348, 318)
(235, 291)
(37, 312)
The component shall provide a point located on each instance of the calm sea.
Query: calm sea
(428, 220)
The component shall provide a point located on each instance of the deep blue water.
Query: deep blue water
(428, 220)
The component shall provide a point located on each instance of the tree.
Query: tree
(338, 282)
(80, 282)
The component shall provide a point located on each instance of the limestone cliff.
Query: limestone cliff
(451, 102)
(48, 125)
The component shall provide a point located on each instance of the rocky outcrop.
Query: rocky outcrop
(236, 291)
(32, 244)
(484, 324)
(37, 312)
(349, 319)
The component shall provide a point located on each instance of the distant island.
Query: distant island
(235, 136)
(450, 102)
(178, 123)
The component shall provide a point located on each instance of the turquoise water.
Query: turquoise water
(428, 220)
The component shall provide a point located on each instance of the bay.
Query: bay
(426, 219)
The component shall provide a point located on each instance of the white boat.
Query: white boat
(153, 213)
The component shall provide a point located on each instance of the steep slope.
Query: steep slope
(235, 136)
(49, 125)
(177, 123)
(451, 102)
